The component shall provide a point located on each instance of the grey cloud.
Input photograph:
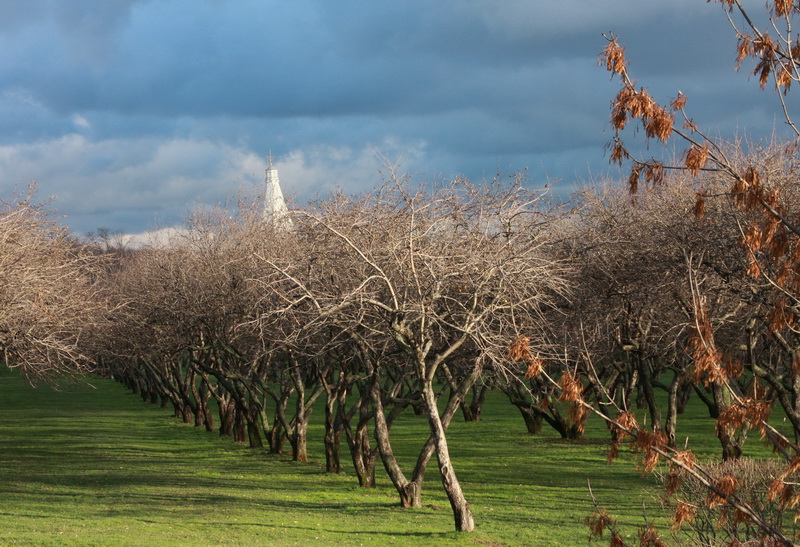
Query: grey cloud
(317, 59)
(134, 109)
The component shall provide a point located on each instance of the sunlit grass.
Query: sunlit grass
(98, 466)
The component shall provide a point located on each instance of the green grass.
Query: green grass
(96, 465)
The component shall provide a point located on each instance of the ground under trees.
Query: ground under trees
(96, 465)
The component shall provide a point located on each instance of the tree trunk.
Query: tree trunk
(186, 414)
(410, 494)
(472, 410)
(299, 441)
(411, 491)
(299, 436)
(203, 416)
(646, 390)
(226, 416)
(532, 419)
(731, 445)
(206, 409)
(461, 512)
(363, 455)
(133, 385)
(672, 409)
(199, 418)
(731, 450)
(559, 423)
(276, 435)
(684, 394)
(333, 435)
(239, 433)
(253, 435)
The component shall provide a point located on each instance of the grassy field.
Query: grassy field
(95, 465)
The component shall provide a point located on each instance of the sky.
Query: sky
(131, 113)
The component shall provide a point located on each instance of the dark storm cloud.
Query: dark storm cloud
(301, 58)
(130, 110)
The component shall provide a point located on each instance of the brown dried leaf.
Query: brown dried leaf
(782, 8)
(618, 154)
(633, 179)
(649, 537)
(780, 317)
(649, 444)
(725, 485)
(571, 388)
(616, 540)
(597, 522)
(613, 56)
(700, 205)
(695, 158)
(658, 122)
(744, 49)
(678, 102)
(654, 172)
(683, 513)
(519, 349)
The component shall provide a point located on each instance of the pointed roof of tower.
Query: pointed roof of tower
(275, 209)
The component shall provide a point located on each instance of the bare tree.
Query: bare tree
(51, 315)
(449, 277)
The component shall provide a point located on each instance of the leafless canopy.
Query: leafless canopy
(50, 312)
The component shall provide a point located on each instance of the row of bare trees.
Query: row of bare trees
(416, 300)
(420, 300)
(369, 305)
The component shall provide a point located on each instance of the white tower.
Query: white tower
(275, 209)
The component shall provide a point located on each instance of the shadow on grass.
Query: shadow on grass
(356, 533)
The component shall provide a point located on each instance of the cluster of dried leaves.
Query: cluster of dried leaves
(713, 521)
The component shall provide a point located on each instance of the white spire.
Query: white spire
(275, 209)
